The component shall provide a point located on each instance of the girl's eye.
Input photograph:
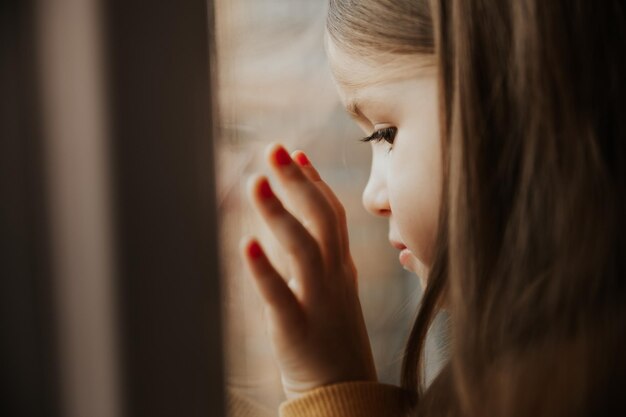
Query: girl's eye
(388, 134)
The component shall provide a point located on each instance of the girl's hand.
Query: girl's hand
(315, 320)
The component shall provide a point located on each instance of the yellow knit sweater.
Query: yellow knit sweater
(349, 399)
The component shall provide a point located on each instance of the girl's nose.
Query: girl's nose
(375, 198)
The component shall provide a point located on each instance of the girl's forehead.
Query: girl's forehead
(355, 70)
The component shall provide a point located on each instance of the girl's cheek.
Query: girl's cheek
(414, 208)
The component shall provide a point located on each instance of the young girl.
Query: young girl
(497, 132)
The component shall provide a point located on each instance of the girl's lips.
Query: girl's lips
(397, 245)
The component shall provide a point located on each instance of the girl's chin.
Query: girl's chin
(420, 269)
(412, 264)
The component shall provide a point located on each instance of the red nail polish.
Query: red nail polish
(302, 159)
(282, 157)
(254, 250)
(265, 190)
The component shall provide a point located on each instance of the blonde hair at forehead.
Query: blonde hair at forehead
(378, 41)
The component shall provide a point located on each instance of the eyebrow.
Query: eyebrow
(353, 109)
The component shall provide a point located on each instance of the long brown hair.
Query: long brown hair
(537, 190)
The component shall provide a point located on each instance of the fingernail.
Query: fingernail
(254, 250)
(282, 157)
(265, 190)
(302, 159)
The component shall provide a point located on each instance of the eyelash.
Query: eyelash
(388, 134)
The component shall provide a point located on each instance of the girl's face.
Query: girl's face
(405, 179)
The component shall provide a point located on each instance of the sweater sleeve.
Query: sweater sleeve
(241, 405)
(350, 399)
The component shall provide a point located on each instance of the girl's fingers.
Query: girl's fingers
(311, 205)
(309, 170)
(291, 234)
(305, 164)
(279, 299)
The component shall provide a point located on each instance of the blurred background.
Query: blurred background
(110, 291)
